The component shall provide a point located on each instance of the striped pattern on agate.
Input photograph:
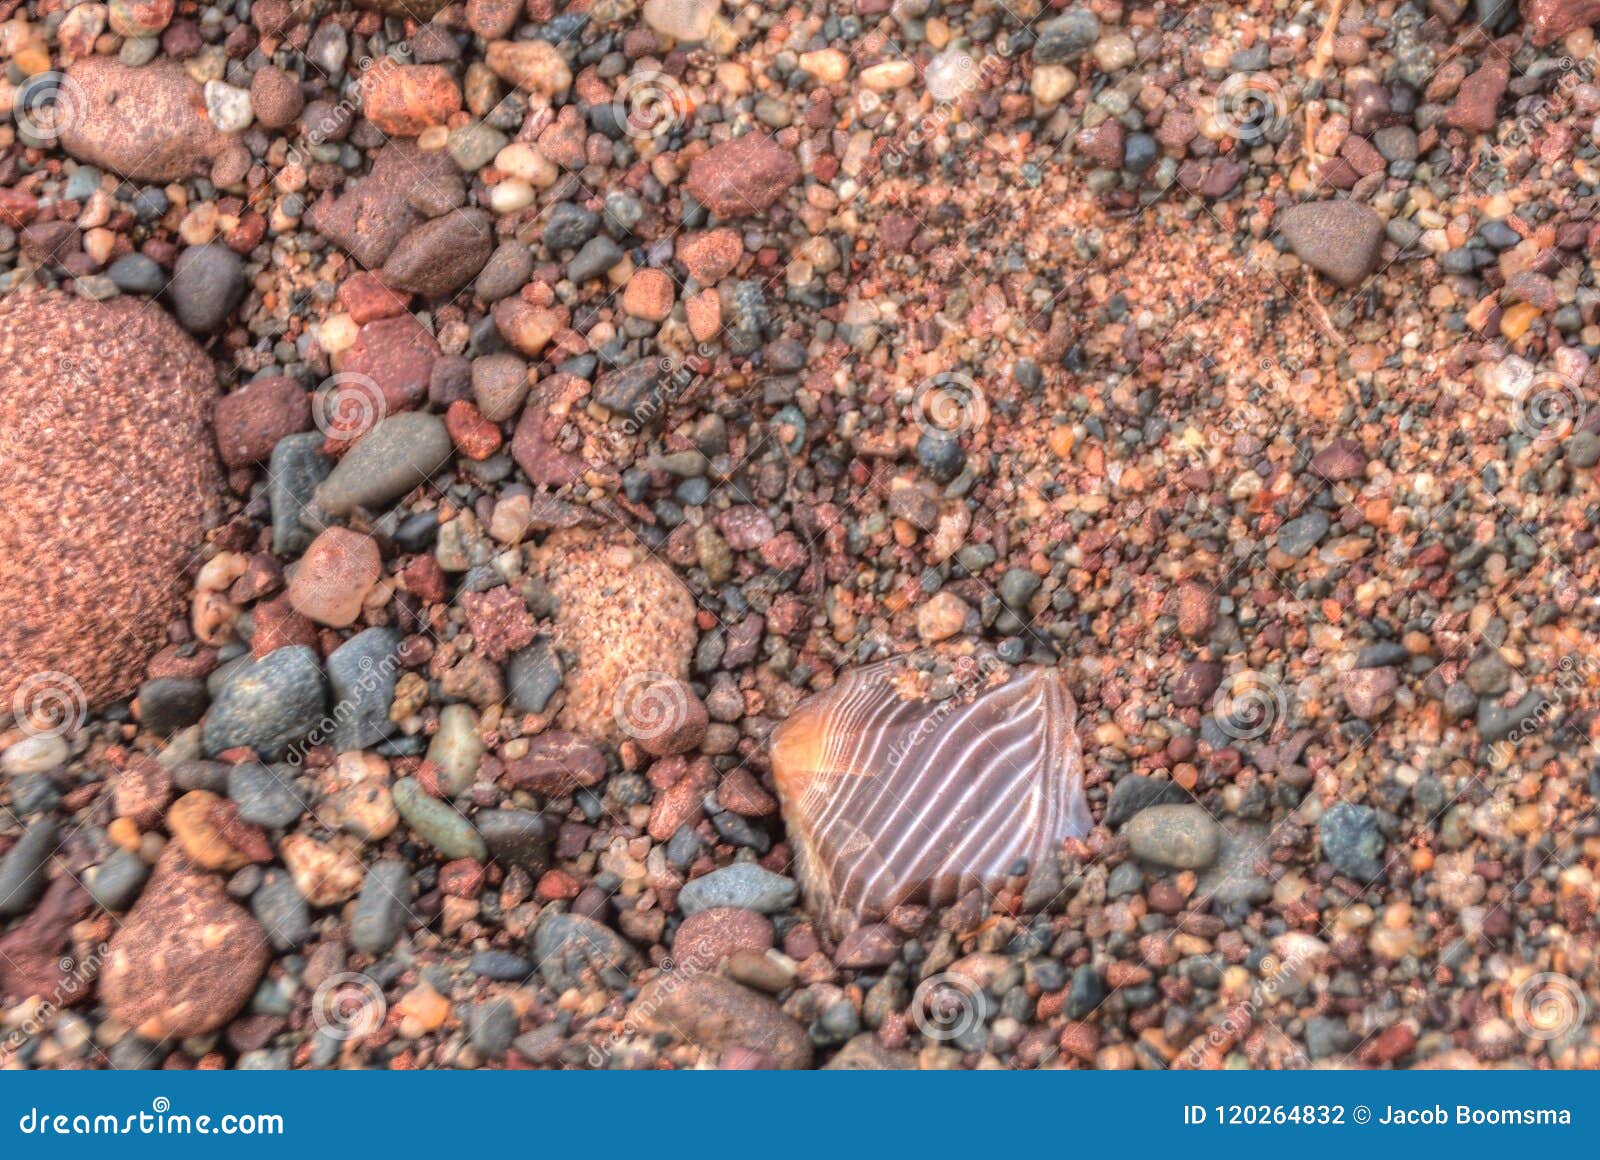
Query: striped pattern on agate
(890, 798)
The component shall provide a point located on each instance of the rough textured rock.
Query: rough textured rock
(147, 124)
(371, 216)
(742, 176)
(185, 959)
(441, 256)
(1341, 239)
(718, 1015)
(1550, 20)
(623, 615)
(109, 475)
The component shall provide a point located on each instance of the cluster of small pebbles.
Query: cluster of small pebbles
(440, 443)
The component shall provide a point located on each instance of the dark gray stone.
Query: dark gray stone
(116, 882)
(567, 945)
(533, 676)
(395, 456)
(280, 910)
(265, 795)
(207, 283)
(295, 471)
(516, 838)
(1136, 792)
(1351, 841)
(23, 871)
(381, 908)
(168, 704)
(267, 705)
(362, 673)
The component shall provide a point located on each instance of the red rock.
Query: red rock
(185, 960)
(145, 124)
(743, 795)
(662, 714)
(533, 447)
(251, 420)
(32, 962)
(334, 576)
(649, 295)
(1478, 97)
(680, 803)
(708, 937)
(393, 355)
(278, 625)
(371, 217)
(366, 299)
(1341, 460)
(131, 488)
(721, 1017)
(1197, 610)
(866, 947)
(556, 763)
(474, 436)
(402, 100)
(142, 791)
(275, 96)
(1549, 20)
(17, 207)
(743, 176)
(711, 256)
(499, 622)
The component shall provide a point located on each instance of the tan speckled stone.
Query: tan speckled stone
(107, 484)
(622, 613)
(146, 124)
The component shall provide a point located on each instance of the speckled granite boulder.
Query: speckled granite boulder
(108, 482)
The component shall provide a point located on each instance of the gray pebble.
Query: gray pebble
(116, 882)
(268, 704)
(381, 908)
(23, 869)
(567, 945)
(168, 704)
(207, 283)
(491, 1027)
(280, 910)
(532, 677)
(437, 823)
(516, 838)
(501, 966)
(743, 884)
(265, 795)
(294, 472)
(1183, 837)
(1351, 841)
(362, 673)
(395, 456)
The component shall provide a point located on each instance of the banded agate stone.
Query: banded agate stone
(890, 797)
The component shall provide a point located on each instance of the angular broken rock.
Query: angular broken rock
(892, 797)
(742, 176)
